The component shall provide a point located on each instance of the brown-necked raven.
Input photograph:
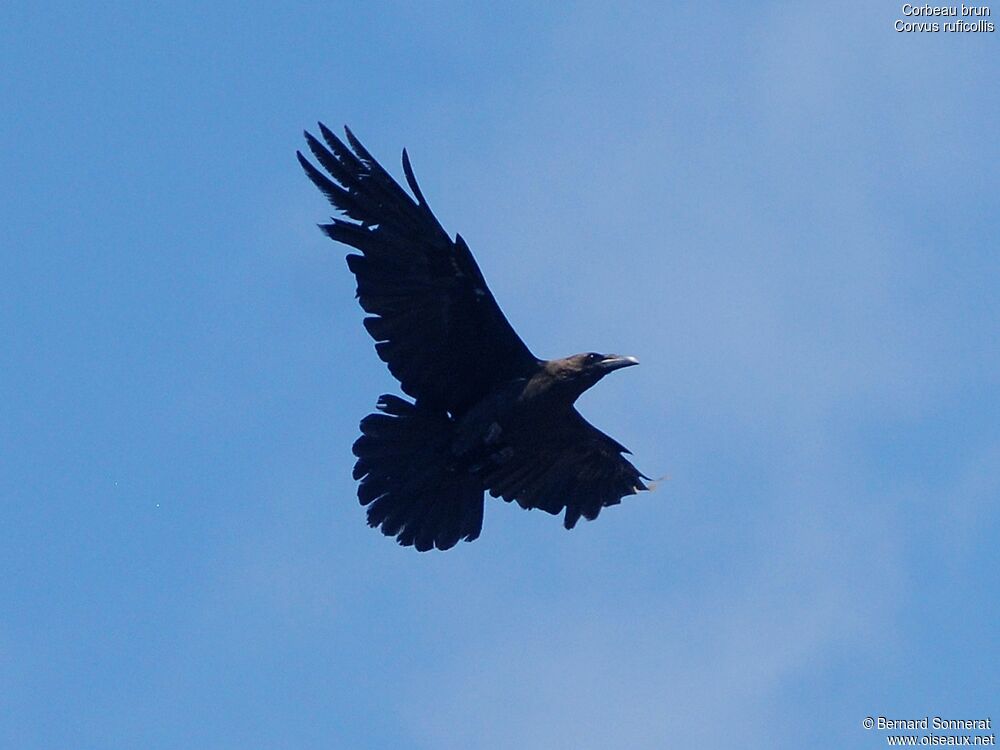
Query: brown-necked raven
(488, 414)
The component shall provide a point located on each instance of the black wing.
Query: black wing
(572, 465)
(434, 320)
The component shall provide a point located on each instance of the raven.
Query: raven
(487, 414)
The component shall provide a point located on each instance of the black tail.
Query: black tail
(409, 483)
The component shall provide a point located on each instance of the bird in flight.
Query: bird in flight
(487, 415)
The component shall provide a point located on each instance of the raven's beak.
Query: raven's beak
(617, 362)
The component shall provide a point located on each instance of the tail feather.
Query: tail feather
(407, 481)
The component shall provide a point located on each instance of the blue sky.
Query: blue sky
(788, 213)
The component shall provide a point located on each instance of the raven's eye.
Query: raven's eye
(593, 357)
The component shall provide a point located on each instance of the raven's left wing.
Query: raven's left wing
(434, 320)
(571, 465)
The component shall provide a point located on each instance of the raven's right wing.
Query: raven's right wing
(434, 320)
(570, 464)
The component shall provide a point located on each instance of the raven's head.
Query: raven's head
(581, 371)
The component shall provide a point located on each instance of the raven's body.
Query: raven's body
(522, 411)
(489, 415)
